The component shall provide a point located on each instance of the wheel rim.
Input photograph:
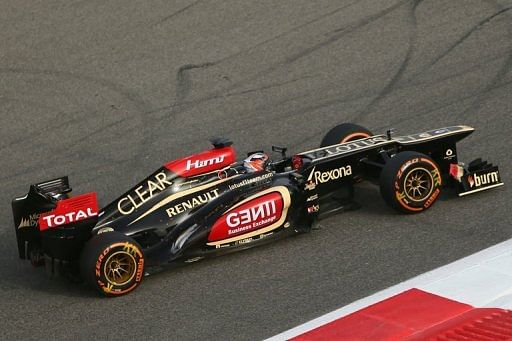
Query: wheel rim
(120, 268)
(418, 184)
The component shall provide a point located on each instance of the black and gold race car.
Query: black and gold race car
(208, 203)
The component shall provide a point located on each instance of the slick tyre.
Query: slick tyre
(112, 263)
(345, 132)
(410, 182)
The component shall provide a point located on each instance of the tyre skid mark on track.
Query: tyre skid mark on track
(174, 14)
(392, 84)
(462, 39)
(253, 125)
(139, 103)
(61, 154)
(342, 32)
(442, 106)
(417, 114)
(333, 101)
(450, 102)
(44, 130)
(268, 86)
(339, 34)
(293, 29)
(499, 75)
(127, 93)
(388, 88)
(184, 82)
(398, 76)
(183, 89)
(8, 99)
(336, 101)
(502, 72)
(184, 79)
(180, 105)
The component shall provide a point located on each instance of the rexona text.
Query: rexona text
(334, 174)
(143, 193)
(252, 217)
(199, 200)
(204, 163)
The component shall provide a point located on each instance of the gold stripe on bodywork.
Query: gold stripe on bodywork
(178, 195)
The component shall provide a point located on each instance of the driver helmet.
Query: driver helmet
(256, 162)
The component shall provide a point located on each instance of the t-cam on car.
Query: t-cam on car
(208, 203)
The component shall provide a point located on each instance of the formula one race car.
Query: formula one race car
(208, 204)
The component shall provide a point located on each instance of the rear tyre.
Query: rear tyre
(410, 182)
(345, 132)
(113, 263)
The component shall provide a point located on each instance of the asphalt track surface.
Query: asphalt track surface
(107, 91)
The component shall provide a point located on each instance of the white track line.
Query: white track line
(483, 279)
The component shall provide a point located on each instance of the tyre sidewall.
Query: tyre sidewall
(394, 191)
(96, 255)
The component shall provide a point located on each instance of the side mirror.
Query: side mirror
(389, 133)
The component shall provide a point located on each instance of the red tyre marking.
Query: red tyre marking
(436, 168)
(139, 271)
(434, 194)
(354, 135)
(406, 206)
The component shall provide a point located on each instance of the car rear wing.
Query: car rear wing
(48, 221)
(41, 197)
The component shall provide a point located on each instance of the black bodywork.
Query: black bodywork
(171, 216)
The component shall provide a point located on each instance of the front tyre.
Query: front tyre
(410, 182)
(113, 263)
(345, 132)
